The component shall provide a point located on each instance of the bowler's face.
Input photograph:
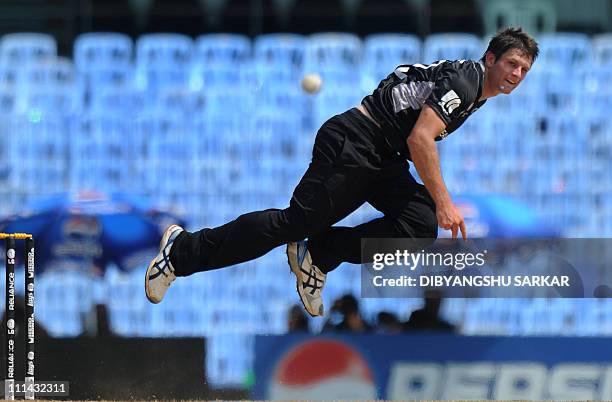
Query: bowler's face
(508, 70)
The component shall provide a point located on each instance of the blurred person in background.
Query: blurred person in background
(296, 320)
(428, 317)
(388, 323)
(346, 316)
(360, 156)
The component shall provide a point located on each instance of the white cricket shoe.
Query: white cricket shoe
(160, 273)
(309, 279)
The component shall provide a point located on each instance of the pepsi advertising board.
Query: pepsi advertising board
(432, 366)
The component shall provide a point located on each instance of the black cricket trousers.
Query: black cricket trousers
(351, 164)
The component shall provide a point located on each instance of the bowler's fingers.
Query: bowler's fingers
(463, 230)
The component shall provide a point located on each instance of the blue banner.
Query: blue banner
(432, 366)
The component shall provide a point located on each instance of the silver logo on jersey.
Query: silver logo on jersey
(449, 102)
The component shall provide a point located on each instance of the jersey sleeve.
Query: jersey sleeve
(453, 94)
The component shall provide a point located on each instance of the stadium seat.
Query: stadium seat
(220, 60)
(222, 48)
(392, 49)
(20, 49)
(283, 98)
(163, 60)
(602, 49)
(7, 100)
(103, 60)
(167, 138)
(284, 50)
(181, 102)
(38, 156)
(569, 50)
(595, 83)
(120, 100)
(335, 56)
(8, 76)
(334, 100)
(452, 46)
(279, 60)
(49, 86)
(215, 76)
(102, 49)
(383, 52)
(102, 150)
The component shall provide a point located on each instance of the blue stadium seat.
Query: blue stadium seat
(284, 50)
(560, 89)
(280, 97)
(163, 60)
(392, 49)
(275, 76)
(48, 73)
(168, 140)
(20, 49)
(383, 52)
(602, 49)
(220, 75)
(102, 49)
(48, 86)
(279, 59)
(452, 46)
(274, 135)
(181, 102)
(335, 56)
(7, 100)
(8, 75)
(565, 49)
(130, 102)
(220, 61)
(103, 60)
(334, 100)
(222, 48)
(38, 156)
(102, 152)
(219, 100)
(595, 84)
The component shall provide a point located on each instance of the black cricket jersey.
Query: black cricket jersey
(451, 88)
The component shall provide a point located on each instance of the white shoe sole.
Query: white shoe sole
(292, 258)
(162, 242)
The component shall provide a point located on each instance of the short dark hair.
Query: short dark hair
(512, 38)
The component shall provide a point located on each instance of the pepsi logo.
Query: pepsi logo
(322, 369)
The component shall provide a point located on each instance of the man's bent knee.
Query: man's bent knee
(298, 226)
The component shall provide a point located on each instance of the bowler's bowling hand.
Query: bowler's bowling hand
(449, 218)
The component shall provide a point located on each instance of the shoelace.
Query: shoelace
(312, 282)
(161, 269)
